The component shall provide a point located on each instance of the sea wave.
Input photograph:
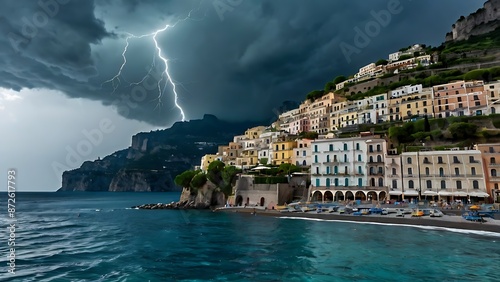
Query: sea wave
(455, 230)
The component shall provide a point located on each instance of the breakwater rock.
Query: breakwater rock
(172, 205)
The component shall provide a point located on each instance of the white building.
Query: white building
(348, 169)
(405, 90)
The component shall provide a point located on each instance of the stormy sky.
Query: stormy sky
(63, 77)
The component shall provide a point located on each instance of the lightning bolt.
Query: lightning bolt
(166, 77)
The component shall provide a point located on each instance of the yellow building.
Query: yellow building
(411, 105)
(283, 152)
(255, 132)
(248, 158)
(207, 159)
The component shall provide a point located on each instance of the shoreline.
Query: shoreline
(447, 221)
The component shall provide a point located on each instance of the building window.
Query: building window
(303, 153)
(493, 172)
(473, 170)
(492, 160)
(378, 148)
(360, 171)
(331, 147)
(359, 158)
(475, 184)
(380, 182)
(443, 184)
(315, 159)
(410, 184)
(457, 171)
(471, 159)
(441, 172)
(394, 171)
(459, 184)
(357, 146)
(427, 171)
(277, 148)
(345, 147)
(370, 149)
(440, 160)
(283, 147)
(298, 153)
(346, 182)
(379, 158)
(429, 184)
(394, 184)
(410, 172)
(455, 160)
(408, 160)
(315, 148)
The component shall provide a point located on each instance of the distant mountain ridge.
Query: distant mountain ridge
(154, 158)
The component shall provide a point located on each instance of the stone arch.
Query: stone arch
(349, 195)
(339, 196)
(360, 195)
(328, 196)
(239, 200)
(317, 196)
(262, 201)
(382, 195)
(372, 195)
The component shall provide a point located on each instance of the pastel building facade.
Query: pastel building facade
(492, 92)
(459, 98)
(490, 154)
(302, 154)
(346, 169)
(448, 175)
(283, 152)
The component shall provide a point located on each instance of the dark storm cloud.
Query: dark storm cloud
(238, 64)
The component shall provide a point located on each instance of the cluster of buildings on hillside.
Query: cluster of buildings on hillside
(365, 167)
(408, 59)
(332, 112)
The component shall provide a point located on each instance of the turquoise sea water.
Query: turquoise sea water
(97, 237)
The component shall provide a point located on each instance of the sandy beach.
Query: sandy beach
(449, 220)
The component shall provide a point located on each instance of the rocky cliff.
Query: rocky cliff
(154, 158)
(482, 21)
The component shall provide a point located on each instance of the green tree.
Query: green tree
(263, 160)
(401, 134)
(339, 79)
(309, 135)
(288, 168)
(315, 94)
(197, 182)
(462, 130)
(184, 179)
(228, 176)
(329, 86)
(381, 62)
(214, 171)
(427, 125)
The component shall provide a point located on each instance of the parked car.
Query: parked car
(436, 213)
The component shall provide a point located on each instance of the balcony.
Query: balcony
(410, 176)
(375, 162)
(393, 176)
